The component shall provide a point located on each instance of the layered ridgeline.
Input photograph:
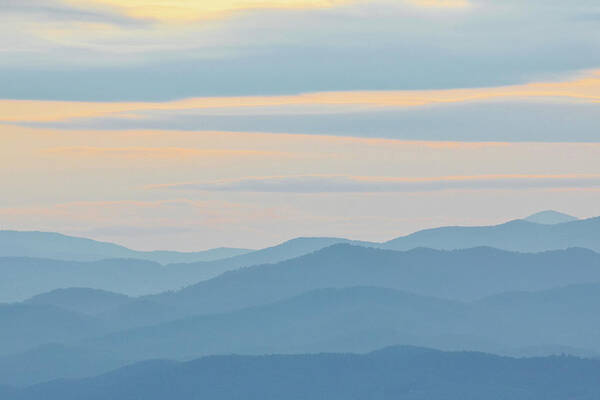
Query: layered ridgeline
(344, 320)
(56, 246)
(27, 276)
(393, 373)
(342, 298)
(518, 235)
(49, 245)
(459, 274)
(307, 296)
(364, 318)
(31, 276)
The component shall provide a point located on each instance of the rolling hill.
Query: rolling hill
(26, 326)
(400, 373)
(550, 217)
(56, 246)
(361, 319)
(517, 235)
(26, 277)
(82, 300)
(355, 319)
(460, 275)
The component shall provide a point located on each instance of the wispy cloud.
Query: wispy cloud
(157, 152)
(357, 184)
(194, 10)
(63, 11)
(378, 44)
(583, 89)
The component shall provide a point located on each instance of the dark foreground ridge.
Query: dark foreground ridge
(394, 373)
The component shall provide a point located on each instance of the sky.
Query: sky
(193, 124)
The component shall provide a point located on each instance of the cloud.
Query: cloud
(193, 10)
(357, 184)
(378, 45)
(559, 111)
(474, 122)
(441, 3)
(60, 11)
(158, 152)
(583, 89)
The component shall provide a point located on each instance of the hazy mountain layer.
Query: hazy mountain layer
(518, 235)
(83, 300)
(27, 277)
(363, 319)
(61, 247)
(133, 277)
(356, 319)
(461, 275)
(393, 373)
(52, 361)
(550, 217)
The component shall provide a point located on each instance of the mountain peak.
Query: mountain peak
(550, 217)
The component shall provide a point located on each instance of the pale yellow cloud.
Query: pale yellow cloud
(441, 3)
(583, 89)
(192, 10)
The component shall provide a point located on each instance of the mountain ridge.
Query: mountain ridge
(397, 372)
(550, 217)
(57, 246)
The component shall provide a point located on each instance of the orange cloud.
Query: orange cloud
(158, 152)
(583, 89)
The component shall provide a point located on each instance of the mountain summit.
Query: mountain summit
(550, 217)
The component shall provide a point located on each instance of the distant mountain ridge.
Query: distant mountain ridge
(404, 373)
(459, 274)
(31, 276)
(82, 300)
(557, 231)
(57, 246)
(517, 235)
(134, 277)
(342, 298)
(355, 319)
(550, 217)
(358, 319)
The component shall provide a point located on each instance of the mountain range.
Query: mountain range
(56, 246)
(399, 372)
(30, 276)
(517, 289)
(517, 235)
(508, 236)
(351, 319)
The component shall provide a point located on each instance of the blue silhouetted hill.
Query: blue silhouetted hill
(518, 235)
(550, 217)
(460, 274)
(24, 326)
(50, 361)
(82, 300)
(33, 276)
(62, 247)
(394, 373)
(353, 319)
(361, 319)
